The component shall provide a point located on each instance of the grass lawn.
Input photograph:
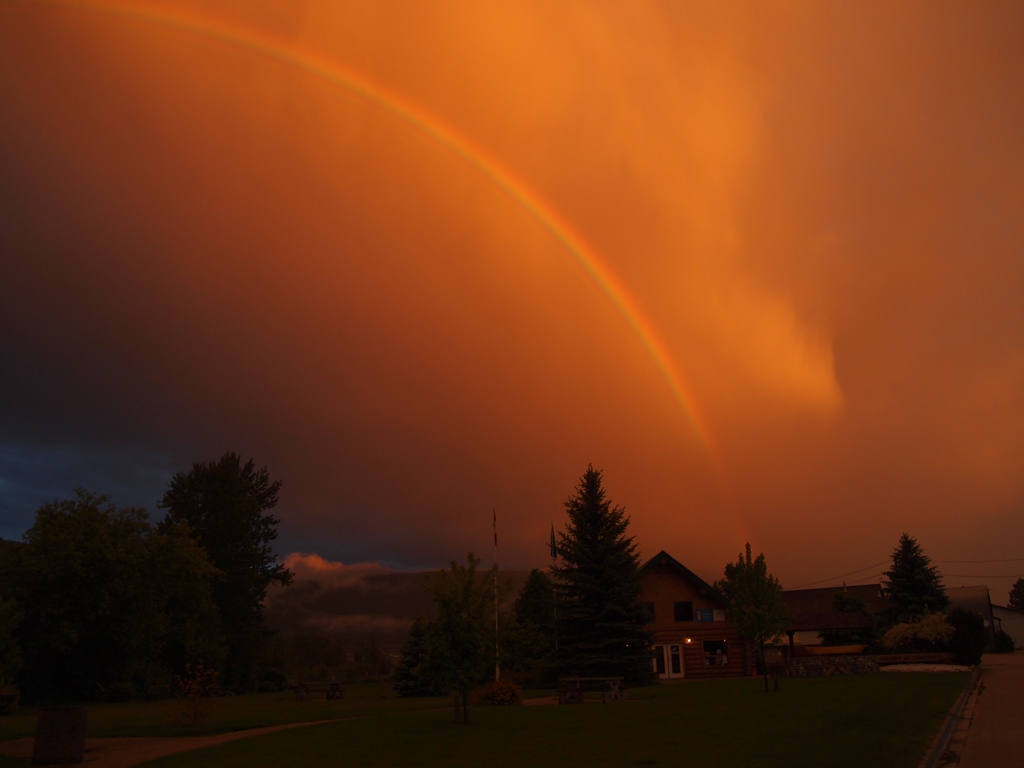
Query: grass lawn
(858, 720)
(232, 713)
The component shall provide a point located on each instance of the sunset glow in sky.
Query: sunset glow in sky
(762, 264)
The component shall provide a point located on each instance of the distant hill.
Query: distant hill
(360, 604)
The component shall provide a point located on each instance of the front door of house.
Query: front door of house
(668, 660)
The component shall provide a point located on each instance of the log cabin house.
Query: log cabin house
(692, 637)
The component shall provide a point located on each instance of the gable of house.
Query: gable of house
(692, 636)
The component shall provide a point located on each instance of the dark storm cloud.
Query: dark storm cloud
(819, 208)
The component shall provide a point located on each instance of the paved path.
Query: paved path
(995, 738)
(126, 752)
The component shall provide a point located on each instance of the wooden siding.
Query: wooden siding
(663, 588)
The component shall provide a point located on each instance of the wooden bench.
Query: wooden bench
(305, 691)
(571, 689)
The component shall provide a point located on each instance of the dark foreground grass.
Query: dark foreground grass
(232, 713)
(882, 721)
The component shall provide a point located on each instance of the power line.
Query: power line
(841, 575)
(954, 575)
(982, 575)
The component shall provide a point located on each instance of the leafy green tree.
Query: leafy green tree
(460, 640)
(104, 599)
(601, 621)
(1017, 595)
(10, 653)
(755, 602)
(914, 587)
(224, 504)
(844, 602)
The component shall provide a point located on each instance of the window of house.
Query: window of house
(684, 611)
(716, 653)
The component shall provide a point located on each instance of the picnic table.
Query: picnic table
(571, 689)
(305, 691)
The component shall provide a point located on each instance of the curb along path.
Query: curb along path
(128, 751)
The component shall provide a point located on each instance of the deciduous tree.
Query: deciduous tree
(601, 621)
(225, 505)
(460, 644)
(1017, 595)
(755, 602)
(108, 605)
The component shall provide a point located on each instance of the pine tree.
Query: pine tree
(913, 586)
(409, 678)
(1017, 595)
(601, 621)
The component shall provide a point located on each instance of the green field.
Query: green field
(232, 713)
(861, 720)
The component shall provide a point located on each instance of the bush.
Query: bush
(197, 689)
(273, 680)
(932, 633)
(1004, 643)
(969, 636)
(501, 694)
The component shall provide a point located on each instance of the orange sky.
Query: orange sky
(327, 235)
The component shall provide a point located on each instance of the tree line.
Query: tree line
(585, 616)
(97, 601)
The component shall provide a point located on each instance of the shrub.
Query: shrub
(932, 633)
(501, 694)
(1004, 643)
(969, 636)
(198, 690)
(273, 680)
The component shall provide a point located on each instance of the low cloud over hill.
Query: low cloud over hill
(361, 603)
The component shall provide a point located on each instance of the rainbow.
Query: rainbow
(559, 228)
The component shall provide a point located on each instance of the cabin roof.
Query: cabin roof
(664, 560)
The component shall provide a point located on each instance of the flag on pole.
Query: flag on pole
(495, 513)
(554, 549)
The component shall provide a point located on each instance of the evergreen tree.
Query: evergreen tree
(536, 602)
(409, 678)
(528, 639)
(913, 586)
(1017, 595)
(755, 602)
(224, 504)
(601, 621)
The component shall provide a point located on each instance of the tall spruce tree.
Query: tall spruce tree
(601, 621)
(409, 679)
(913, 586)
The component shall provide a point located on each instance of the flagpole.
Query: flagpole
(497, 668)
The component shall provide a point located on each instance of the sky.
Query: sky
(761, 264)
